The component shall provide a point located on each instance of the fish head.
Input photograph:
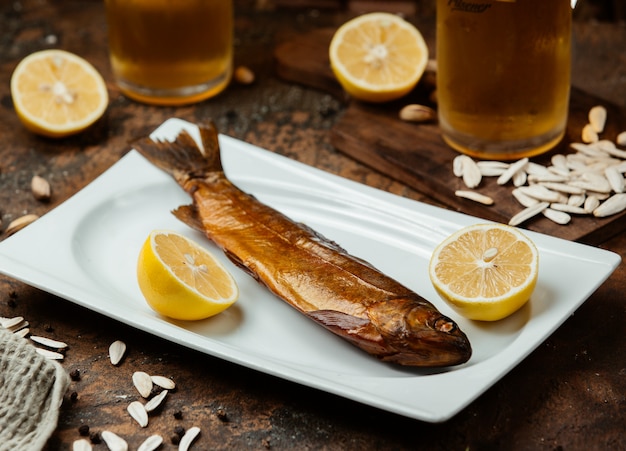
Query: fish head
(417, 334)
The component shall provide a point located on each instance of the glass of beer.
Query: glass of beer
(170, 52)
(503, 75)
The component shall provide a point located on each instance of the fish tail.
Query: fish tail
(183, 158)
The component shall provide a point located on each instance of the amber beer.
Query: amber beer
(503, 77)
(170, 52)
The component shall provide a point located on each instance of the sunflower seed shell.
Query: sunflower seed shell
(116, 352)
(143, 383)
(138, 412)
(113, 441)
(151, 443)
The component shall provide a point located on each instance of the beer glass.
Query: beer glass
(170, 52)
(503, 76)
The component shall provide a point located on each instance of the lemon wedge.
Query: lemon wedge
(378, 57)
(56, 93)
(181, 280)
(485, 271)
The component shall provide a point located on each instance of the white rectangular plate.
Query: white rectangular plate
(86, 249)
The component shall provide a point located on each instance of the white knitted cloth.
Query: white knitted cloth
(31, 392)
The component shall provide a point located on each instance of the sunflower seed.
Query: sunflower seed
(50, 355)
(117, 351)
(22, 332)
(589, 135)
(568, 208)
(417, 113)
(597, 186)
(528, 213)
(188, 438)
(591, 203)
(492, 168)
(519, 178)
(457, 165)
(473, 195)
(540, 193)
(597, 118)
(40, 188)
(19, 223)
(560, 217)
(163, 382)
(563, 188)
(613, 205)
(547, 177)
(524, 199)
(12, 323)
(576, 200)
(621, 139)
(536, 169)
(139, 413)
(471, 173)
(113, 441)
(81, 445)
(559, 160)
(50, 343)
(151, 443)
(615, 178)
(143, 383)
(511, 170)
(155, 402)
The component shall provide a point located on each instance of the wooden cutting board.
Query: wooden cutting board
(416, 155)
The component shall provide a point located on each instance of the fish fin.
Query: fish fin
(183, 158)
(189, 215)
(335, 319)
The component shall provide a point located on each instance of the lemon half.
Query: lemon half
(182, 280)
(485, 271)
(378, 57)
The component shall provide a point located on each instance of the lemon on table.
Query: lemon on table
(378, 57)
(57, 93)
(485, 271)
(182, 280)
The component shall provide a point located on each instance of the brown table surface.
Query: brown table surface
(568, 394)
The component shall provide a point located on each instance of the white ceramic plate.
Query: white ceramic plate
(85, 251)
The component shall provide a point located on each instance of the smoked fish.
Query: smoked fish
(343, 293)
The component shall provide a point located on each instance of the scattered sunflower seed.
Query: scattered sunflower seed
(417, 113)
(51, 355)
(155, 402)
(511, 170)
(560, 217)
(621, 139)
(188, 438)
(473, 195)
(18, 224)
(613, 205)
(597, 118)
(143, 383)
(589, 135)
(471, 173)
(117, 351)
(528, 213)
(81, 445)
(151, 443)
(50, 343)
(163, 382)
(113, 441)
(138, 412)
(40, 188)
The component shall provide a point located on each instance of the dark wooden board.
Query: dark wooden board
(416, 155)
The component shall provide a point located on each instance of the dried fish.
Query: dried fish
(151, 443)
(473, 195)
(143, 383)
(188, 438)
(113, 441)
(138, 412)
(155, 402)
(117, 351)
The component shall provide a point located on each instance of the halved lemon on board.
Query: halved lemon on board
(378, 57)
(182, 280)
(485, 271)
(57, 93)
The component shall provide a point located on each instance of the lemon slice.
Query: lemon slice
(57, 93)
(182, 280)
(485, 271)
(378, 57)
